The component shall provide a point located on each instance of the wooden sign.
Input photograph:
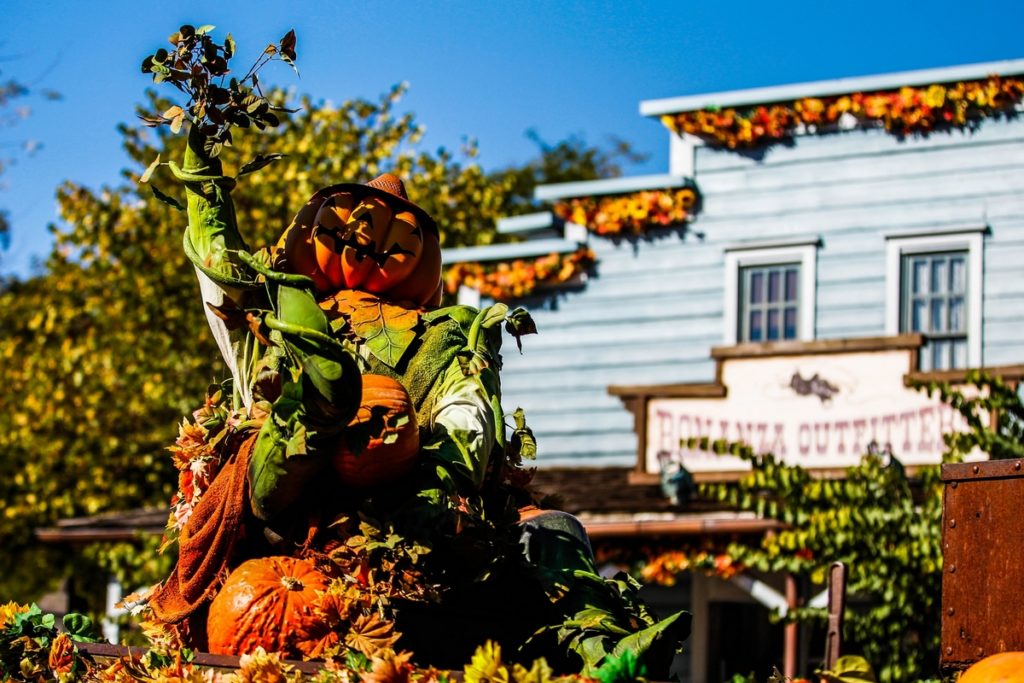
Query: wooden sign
(821, 405)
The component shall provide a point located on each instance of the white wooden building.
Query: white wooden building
(845, 254)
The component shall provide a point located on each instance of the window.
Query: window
(934, 288)
(769, 302)
(934, 303)
(770, 291)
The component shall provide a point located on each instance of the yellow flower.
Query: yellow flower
(261, 667)
(935, 96)
(486, 666)
(9, 611)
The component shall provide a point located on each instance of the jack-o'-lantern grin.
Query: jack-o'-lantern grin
(353, 234)
(367, 238)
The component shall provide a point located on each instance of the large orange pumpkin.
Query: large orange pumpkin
(264, 603)
(390, 453)
(366, 237)
(1005, 667)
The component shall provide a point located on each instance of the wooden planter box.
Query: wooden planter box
(108, 654)
(983, 561)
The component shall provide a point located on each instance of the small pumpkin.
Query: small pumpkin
(383, 440)
(366, 237)
(1005, 667)
(266, 602)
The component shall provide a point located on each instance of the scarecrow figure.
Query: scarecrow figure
(366, 397)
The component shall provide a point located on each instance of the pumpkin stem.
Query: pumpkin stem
(291, 583)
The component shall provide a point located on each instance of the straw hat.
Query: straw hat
(391, 189)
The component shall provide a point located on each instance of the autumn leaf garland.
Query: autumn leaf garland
(632, 214)
(907, 110)
(506, 280)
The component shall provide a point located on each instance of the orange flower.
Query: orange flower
(62, 654)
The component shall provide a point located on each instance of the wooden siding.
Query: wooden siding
(655, 307)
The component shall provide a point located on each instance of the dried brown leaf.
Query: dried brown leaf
(370, 634)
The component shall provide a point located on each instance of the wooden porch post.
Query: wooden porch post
(790, 635)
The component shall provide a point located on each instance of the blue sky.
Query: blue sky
(486, 70)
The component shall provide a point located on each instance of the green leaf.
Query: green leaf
(148, 173)
(166, 199)
(676, 626)
(387, 330)
(80, 628)
(523, 443)
(624, 668)
(260, 161)
(492, 315)
(204, 29)
(297, 306)
(849, 669)
(463, 315)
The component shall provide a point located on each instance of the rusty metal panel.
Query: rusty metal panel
(983, 559)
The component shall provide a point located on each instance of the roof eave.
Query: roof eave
(837, 86)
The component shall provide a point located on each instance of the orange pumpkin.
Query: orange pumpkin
(1005, 667)
(265, 603)
(366, 237)
(298, 246)
(388, 454)
(423, 286)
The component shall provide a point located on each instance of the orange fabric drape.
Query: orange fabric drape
(207, 542)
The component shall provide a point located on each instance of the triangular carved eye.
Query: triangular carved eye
(341, 239)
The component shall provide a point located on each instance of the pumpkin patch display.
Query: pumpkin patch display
(265, 603)
(383, 439)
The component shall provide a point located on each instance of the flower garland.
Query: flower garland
(662, 567)
(515, 279)
(665, 568)
(904, 111)
(631, 213)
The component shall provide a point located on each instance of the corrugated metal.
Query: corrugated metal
(656, 306)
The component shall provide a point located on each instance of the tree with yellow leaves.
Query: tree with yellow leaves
(105, 350)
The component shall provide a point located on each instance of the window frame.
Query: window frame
(971, 241)
(804, 253)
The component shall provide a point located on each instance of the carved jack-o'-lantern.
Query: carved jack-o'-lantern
(366, 237)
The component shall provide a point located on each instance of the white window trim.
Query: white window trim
(467, 296)
(973, 241)
(739, 256)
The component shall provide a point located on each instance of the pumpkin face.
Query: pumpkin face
(297, 244)
(264, 603)
(372, 240)
(1005, 667)
(423, 286)
(367, 246)
(388, 418)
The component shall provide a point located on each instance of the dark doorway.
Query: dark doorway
(742, 640)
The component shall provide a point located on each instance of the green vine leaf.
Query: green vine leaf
(260, 161)
(166, 198)
(849, 669)
(387, 330)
